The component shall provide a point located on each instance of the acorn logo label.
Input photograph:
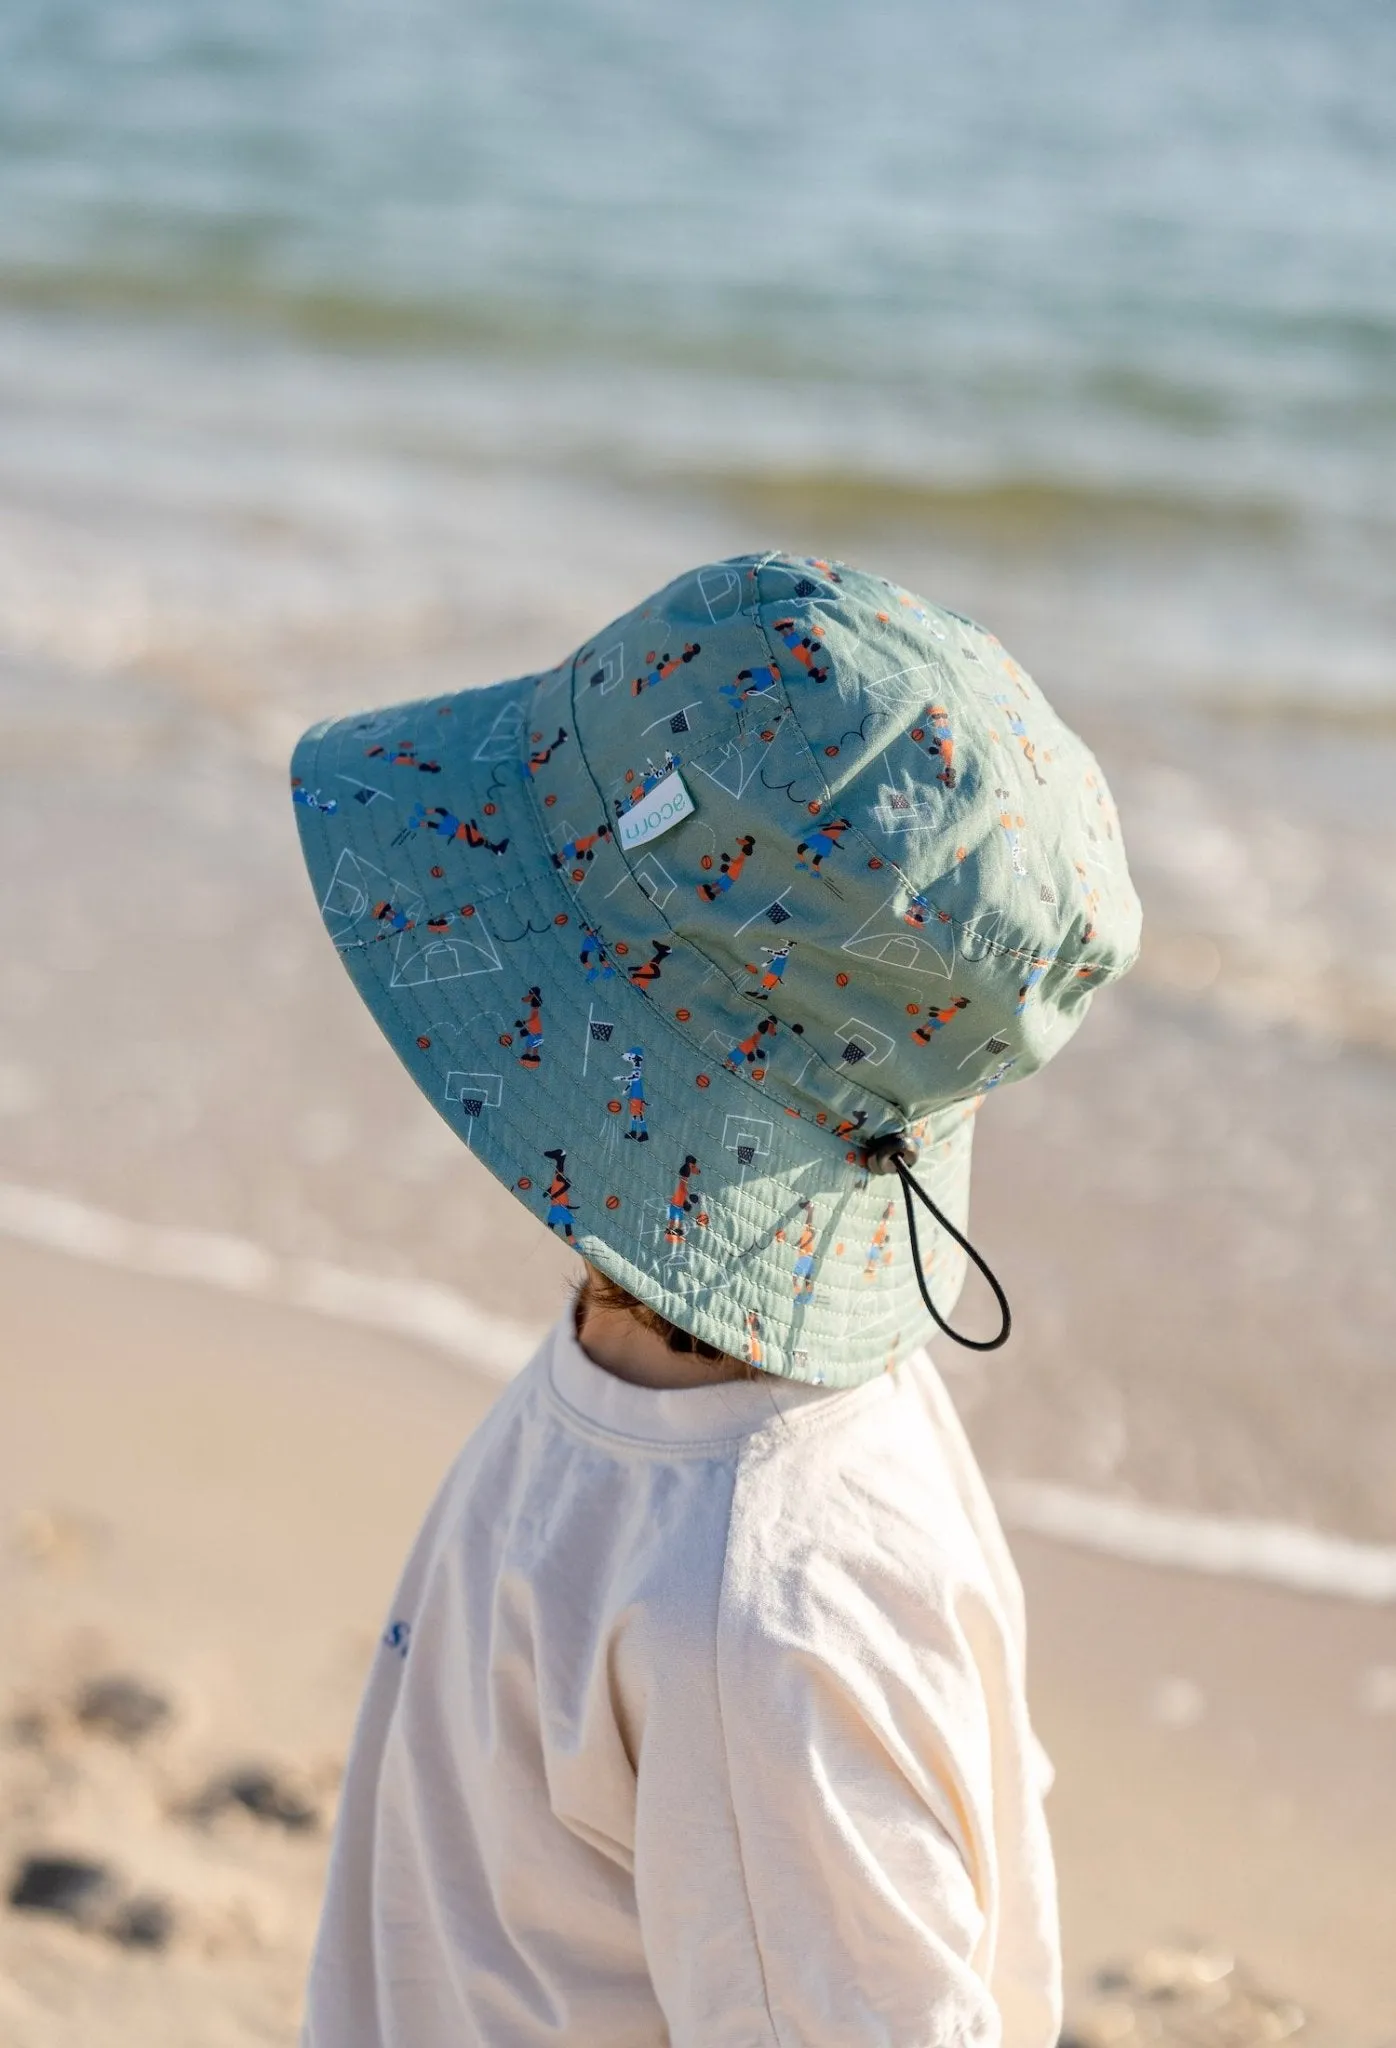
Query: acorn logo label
(656, 812)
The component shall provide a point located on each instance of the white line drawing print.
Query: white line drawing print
(356, 886)
(364, 792)
(423, 957)
(744, 1054)
(998, 1050)
(980, 936)
(918, 668)
(887, 936)
(723, 1044)
(653, 877)
(862, 1041)
(561, 830)
(607, 1137)
(936, 666)
(749, 1137)
(900, 810)
(804, 1069)
(605, 670)
(504, 735)
(995, 1046)
(676, 721)
(774, 912)
(737, 767)
(599, 1031)
(721, 591)
(475, 1093)
(652, 1230)
(563, 833)
(558, 675)
(784, 584)
(374, 726)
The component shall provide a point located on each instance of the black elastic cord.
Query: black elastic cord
(897, 1151)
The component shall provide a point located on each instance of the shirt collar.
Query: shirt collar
(723, 1412)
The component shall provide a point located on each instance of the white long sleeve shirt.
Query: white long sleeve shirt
(698, 1720)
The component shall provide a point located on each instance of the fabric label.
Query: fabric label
(653, 814)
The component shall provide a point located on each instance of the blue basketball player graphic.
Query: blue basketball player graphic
(751, 682)
(729, 869)
(681, 1201)
(530, 1028)
(634, 1079)
(774, 972)
(823, 840)
(594, 957)
(803, 1269)
(559, 1216)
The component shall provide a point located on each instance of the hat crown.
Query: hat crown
(836, 834)
(782, 863)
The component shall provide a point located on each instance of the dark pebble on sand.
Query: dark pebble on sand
(121, 1707)
(28, 1729)
(69, 1886)
(142, 1923)
(87, 1894)
(261, 1793)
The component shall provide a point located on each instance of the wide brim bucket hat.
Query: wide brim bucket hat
(780, 864)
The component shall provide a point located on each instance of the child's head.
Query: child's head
(780, 874)
(597, 1297)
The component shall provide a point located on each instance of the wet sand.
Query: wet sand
(211, 1496)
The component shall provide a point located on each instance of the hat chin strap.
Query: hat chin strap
(897, 1153)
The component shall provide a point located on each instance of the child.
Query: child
(699, 1716)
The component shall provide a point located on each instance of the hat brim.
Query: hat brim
(752, 1228)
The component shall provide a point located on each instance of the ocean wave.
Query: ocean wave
(1019, 508)
(1370, 716)
(826, 445)
(326, 315)
(1304, 1560)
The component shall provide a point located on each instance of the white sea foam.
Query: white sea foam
(423, 1309)
(1305, 1560)
(1279, 1553)
(419, 1309)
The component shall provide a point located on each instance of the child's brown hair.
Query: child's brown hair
(597, 1290)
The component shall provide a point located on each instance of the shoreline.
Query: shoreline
(214, 1494)
(495, 1347)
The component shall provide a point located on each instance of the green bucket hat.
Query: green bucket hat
(697, 939)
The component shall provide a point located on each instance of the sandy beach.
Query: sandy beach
(351, 356)
(209, 1496)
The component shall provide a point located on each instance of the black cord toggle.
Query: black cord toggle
(897, 1153)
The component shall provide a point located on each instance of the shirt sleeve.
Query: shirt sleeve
(819, 1873)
